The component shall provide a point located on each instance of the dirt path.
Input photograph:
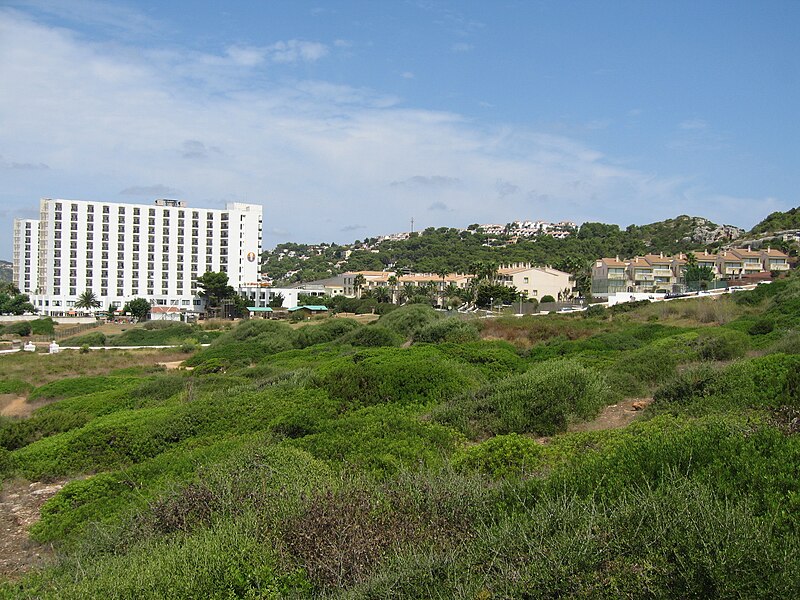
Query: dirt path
(614, 416)
(20, 503)
(175, 364)
(12, 405)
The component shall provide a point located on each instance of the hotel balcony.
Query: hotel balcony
(776, 266)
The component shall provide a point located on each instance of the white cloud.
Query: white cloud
(295, 50)
(94, 12)
(158, 190)
(407, 75)
(103, 116)
(693, 124)
(461, 47)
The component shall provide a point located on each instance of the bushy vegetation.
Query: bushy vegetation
(327, 461)
(447, 330)
(542, 400)
(408, 319)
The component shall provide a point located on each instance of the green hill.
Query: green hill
(453, 250)
(6, 271)
(779, 221)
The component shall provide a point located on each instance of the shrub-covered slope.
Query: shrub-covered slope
(330, 462)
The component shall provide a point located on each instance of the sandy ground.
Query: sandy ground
(20, 503)
(175, 364)
(12, 405)
(614, 416)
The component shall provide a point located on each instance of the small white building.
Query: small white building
(537, 282)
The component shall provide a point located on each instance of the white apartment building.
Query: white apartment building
(26, 254)
(151, 251)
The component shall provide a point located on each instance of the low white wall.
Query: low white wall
(632, 297)
(60, 320)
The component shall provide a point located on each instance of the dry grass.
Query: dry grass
(38, 369)
(716, 310)
(527, 331)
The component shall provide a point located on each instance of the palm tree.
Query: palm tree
(87, 300)
(452, 294)
(409, 289)
(381, 294)
(358, 282)
(392, 281)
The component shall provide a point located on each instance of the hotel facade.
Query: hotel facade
(125, 251)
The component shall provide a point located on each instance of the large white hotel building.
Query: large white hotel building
(124, 251)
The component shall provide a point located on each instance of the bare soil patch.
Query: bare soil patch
(20, 505)
(175, 364)
(614, 416)
(12, 405)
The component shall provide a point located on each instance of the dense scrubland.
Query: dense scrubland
(426, 456)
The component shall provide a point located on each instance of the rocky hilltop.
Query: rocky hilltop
(707, 233)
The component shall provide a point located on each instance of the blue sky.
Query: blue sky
(347, 119)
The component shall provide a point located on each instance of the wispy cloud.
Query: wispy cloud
(102, 116)
(194, 149)
(347, 228)
(435, 181)
(505, 188)
(461, 47)
(407, 75)
(22, 166)
(693, 124)
(94, 12)
(157, 190)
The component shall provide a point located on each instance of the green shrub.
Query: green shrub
(80, 386)
(685, 387)
(248, 343)
(720, 344)
(20, 328)
(416, 375)
(372, 336)
(761, 327)
(596, 311)
(407, 319)
(327, 331)
(502, 456)
(546, 299)
(541, 401)
(14, 386)
(43, 326)
(495, 359)
(380, 440)
(158, 333)
(766, 382)
(96, 338)
(447, 330)
(788, 344)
